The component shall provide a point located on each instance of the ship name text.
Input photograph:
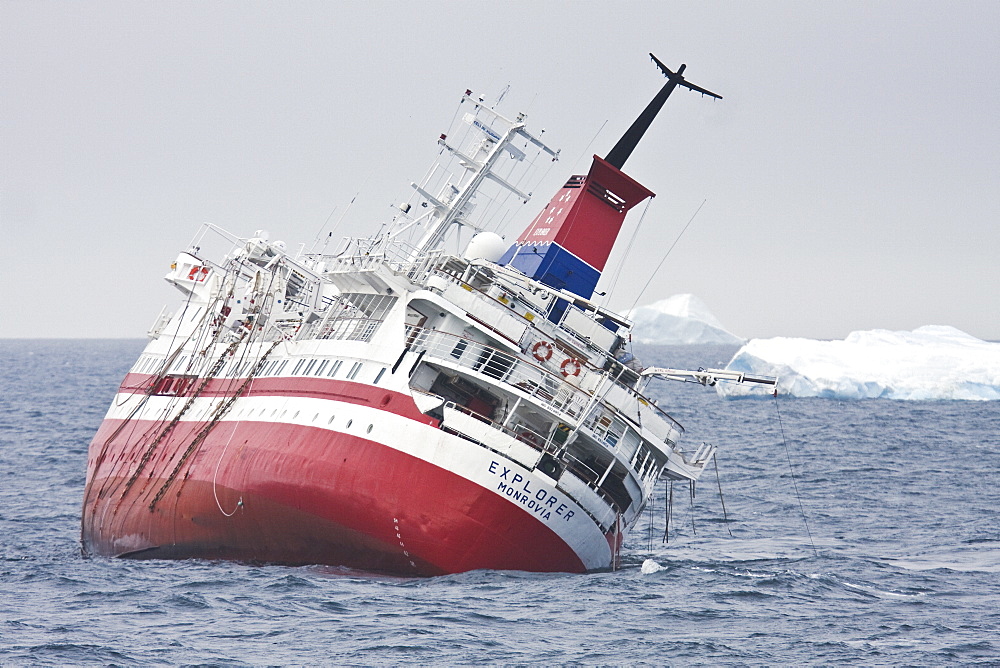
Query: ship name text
(537, 500)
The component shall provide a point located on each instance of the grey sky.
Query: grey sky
(851, 174)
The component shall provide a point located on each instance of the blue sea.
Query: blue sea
(863, 532)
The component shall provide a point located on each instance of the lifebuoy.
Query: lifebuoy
(570, 367)
(198, 274)
(542, 351)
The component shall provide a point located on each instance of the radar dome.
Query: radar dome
(488, 246)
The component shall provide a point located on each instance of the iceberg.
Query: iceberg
(931, 362)
(681, 319)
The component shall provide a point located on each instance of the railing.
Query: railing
(520, 433)
(582, 471)
(398, 257)
(366, 255)
(545, 387)
(351, 317)
(558, 356)
(161, 321)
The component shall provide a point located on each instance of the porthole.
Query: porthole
(315, 417)
(370, 428)
(296, 414)
(349, 423)
(330, 421)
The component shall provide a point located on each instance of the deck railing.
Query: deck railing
(545, 387)
(574, 466)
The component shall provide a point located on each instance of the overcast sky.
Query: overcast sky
(851, 175)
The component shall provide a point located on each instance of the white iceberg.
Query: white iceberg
(681, 319)
(931, 362)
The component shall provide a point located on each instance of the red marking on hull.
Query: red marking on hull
(298, 386)
(308, 496)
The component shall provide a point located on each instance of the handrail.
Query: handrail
(575, 466)
(522, 434)
(548, 388)
(584, 363)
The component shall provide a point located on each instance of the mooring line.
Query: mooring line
(725, 515)
(669, 510)
(792, 471)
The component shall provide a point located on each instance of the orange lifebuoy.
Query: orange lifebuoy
(194, 275)
(542, 351)
(570, 367)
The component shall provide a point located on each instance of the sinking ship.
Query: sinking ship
(391, 405)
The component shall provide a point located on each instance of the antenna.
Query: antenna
(623, 149)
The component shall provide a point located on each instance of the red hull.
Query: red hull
(292, 494)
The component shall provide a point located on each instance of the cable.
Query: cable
(621, 265)
(653, 275)
(725, 515)
(669, 510)
(792, 471)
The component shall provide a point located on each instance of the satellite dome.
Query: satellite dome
(488, 246)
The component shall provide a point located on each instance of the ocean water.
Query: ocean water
(865, 532)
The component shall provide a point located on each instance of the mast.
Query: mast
(568, 243)
(623, 149)
(454, 202)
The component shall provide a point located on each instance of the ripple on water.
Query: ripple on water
(897, 566)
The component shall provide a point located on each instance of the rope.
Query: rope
(219, 413)
(691, 490)
(628, 249)
(177, 418)
(725, 515)
(239, 503)
(586, 149)
(669, 510)
(215, 475)
(664, 259)
(197, 336)
(792, 471)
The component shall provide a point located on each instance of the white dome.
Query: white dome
(488, 246)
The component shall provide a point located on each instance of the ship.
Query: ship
(413, 402)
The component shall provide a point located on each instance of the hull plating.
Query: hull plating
(296, 494)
